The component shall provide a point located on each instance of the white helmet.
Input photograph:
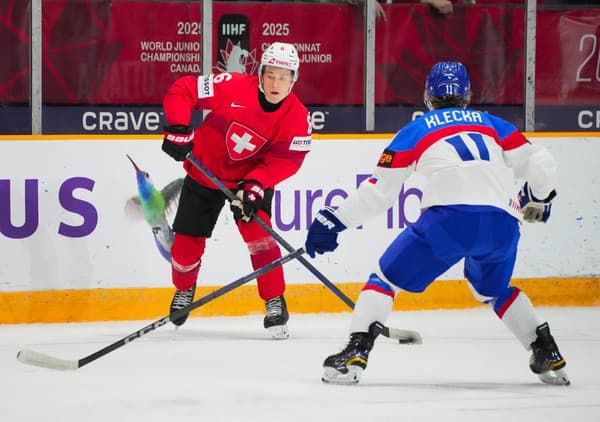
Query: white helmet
(283, 55)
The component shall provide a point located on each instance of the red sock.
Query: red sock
(186, 254)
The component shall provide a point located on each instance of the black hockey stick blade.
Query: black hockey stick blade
(403, 336)
(31, 357)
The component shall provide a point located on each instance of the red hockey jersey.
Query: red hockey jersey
(238, 139)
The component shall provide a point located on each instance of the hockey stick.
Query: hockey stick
(403, 336)
(32, 357)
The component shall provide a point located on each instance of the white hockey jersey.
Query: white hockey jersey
(468, 157)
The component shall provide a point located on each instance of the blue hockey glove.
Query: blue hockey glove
(535, 210)
(178, 141)
(323, 232)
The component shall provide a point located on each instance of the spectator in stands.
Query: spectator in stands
(380, 13)
(444, 7)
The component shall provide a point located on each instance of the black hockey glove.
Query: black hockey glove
(178, 141)
(250, 196)
(535, 210)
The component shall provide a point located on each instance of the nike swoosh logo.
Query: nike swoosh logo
(237, 105)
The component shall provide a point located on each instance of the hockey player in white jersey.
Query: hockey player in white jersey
(470, 209)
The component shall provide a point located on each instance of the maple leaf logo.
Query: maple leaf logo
(237, 59)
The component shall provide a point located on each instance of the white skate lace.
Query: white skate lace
(274, 307)
(182, 298)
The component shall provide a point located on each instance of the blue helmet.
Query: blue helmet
(447, 79)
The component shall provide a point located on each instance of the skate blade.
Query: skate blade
(279, 332)
(333, 376)
(558, 377)
(178, 323)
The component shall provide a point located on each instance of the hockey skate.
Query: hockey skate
(276, 318)
(347, 366)
(546, 360)
(181, 299)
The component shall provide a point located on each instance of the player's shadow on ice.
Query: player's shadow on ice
(197, 334)
(516, 387)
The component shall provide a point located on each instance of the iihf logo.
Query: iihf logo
(234, 53)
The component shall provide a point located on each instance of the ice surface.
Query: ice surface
(469, 368)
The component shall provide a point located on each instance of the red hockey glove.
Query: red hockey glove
(250, 194)
(178, 141)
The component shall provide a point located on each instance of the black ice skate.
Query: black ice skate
(347, 366)
(276, 318)
(181, 299)
(546, 360)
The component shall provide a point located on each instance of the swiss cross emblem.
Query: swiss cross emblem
(242, 142)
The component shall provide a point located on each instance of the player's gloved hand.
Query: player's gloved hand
(323, 233)
(250, 196)
(178, 141)
(535, 210)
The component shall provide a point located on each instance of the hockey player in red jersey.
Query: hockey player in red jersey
(255, 136)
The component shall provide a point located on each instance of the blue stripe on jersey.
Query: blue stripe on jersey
(461, 148)
(410, 135)
(503, 128)
(484, 153)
